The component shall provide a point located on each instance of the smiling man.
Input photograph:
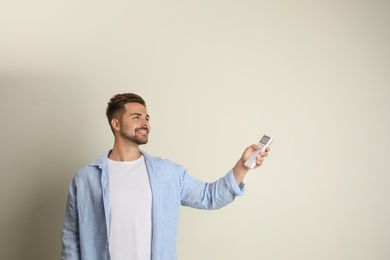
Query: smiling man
(125, 205)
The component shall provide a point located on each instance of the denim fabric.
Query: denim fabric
(86, 225)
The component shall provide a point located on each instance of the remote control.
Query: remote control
(265, 141)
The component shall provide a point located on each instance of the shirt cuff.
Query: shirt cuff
(232, 184)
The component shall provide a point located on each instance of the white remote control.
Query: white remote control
(265, 141)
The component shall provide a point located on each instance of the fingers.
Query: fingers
(249, 151)
(259, 160)
(265, 153)
(256, 147)
(260, 157)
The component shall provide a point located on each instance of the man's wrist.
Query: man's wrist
(239, 171)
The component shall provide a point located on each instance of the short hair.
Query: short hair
(116, 105)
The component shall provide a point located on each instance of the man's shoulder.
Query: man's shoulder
(93, 168)
(87, 172)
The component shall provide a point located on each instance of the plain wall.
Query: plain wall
(216, 75)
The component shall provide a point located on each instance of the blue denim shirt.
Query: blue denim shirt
(86, 225)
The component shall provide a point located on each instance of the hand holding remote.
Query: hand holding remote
(265, 141)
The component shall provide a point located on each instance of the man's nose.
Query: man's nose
(144, 122)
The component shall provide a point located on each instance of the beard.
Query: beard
(139, 140)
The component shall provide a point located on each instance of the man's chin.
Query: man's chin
(141, 141)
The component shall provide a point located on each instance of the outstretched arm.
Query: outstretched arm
(202, 195)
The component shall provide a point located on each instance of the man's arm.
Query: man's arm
(198, 194)
(240, 170)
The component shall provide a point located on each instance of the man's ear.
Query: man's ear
(115, 124)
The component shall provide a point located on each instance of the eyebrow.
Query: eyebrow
(138, 114)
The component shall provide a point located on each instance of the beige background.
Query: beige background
(216, 76)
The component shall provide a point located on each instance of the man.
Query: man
(125, 205)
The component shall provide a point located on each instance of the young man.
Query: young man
(125, 205)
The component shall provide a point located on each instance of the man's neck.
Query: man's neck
(124, 153)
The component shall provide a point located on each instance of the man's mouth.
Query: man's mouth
(142, 130)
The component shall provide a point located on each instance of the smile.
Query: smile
(142, 131)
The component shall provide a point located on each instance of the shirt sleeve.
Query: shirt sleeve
(70, 233)
(214, 195)
(232, 184)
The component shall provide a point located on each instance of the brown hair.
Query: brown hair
(117, 103)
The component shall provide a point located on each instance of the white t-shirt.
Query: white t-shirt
(130, 210)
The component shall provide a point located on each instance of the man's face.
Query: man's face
(134, 124)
